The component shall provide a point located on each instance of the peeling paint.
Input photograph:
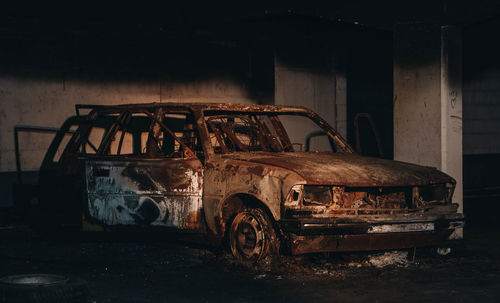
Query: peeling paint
(399, 228)
(126, 193)
(214, 170)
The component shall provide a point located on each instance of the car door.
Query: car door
(145, 174)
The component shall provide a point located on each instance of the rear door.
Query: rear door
(145, 173)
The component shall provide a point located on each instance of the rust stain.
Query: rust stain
(256, 170)
(346, 169)
(225, 158)
(193, 220)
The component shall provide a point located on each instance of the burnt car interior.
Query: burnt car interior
(268, 132)
(137, 134)
(246, 133)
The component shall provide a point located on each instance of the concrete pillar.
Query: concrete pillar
(428, 98)
(451, 107)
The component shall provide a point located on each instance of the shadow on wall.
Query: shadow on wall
(140, 60)
(370, 90)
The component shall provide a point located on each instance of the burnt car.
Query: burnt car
(259, 178)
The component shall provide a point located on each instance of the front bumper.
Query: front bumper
(320, 235)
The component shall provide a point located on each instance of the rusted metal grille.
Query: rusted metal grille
(335, 200)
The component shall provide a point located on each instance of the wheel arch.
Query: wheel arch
(236, 202)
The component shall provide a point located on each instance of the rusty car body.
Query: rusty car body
(237, 173)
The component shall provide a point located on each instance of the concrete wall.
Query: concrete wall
(481, 106)
(300, 87)
(482, 113)
(51, 102)
(481, 92)
(313, 77)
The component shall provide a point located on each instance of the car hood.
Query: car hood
(346, 169)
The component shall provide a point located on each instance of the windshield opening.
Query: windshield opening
(270, 132)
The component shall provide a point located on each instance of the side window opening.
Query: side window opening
(306, 135)
(139, 134)
(114, 134)
(66, 137)
(190, 135)
(61, 141)
(93, 133)
(129, 137)
(94, 140)
(216, 139)
(122, 144)
(183, 127)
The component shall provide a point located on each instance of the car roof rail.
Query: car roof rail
(84, 106)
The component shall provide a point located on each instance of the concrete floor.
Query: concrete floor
(138, 269)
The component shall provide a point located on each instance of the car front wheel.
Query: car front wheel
(252, 237)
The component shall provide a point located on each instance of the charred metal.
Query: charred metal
(233, 171)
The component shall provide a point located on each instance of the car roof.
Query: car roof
(199, 107)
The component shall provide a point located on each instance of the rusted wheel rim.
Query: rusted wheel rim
(249, 236)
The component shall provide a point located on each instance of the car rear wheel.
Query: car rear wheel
(252, 237)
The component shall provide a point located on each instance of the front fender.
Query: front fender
(227, 178)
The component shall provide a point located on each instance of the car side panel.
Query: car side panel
(226, 178)
(165, 192)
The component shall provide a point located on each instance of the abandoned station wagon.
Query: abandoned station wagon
(258, 178)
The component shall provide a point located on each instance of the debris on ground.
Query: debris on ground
(396, 258)
(444, 251)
